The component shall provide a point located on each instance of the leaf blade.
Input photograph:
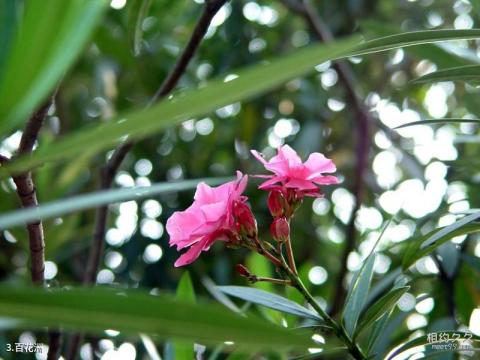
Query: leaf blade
(358, 294)
(132, 312)
(272, 301)
(94, 199)
(381, 307)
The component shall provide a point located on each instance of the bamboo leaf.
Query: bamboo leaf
(97, 198)
(461, 73)
(250, 82)
(134, 312)
(438, 121)
(49, 37)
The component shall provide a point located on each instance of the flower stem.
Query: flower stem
(272, 280)
(291, 259)
(338, 329)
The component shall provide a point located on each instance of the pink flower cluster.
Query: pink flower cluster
(221, 213)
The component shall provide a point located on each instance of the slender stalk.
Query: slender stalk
(291, 259)
(339, 330)
(271, 280)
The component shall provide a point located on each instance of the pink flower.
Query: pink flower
(208, 219)
(289, 173)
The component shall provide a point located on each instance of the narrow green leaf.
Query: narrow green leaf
(185, 292)
(423, 341)
(47, 42)
(425, 244)
(97, 198)
(250, 82)
(438, 121)
(358, 294)
(461, 73)
(272, 301)
(138, 34)
(220, 296)
(134, 312)
(412, 38)
(379, 308)
(442, 55)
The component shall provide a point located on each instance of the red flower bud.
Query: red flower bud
(245, 221)
(243, 271)
(280, 229)
(276, 203)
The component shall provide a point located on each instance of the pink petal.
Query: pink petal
(317, 163)
(300, 184)
(326, 180)
(258, 156)
(191, 254)
(287, 153)
(270, 182)
(204, 193)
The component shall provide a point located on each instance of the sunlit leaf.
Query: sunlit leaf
(95, 199)
(438, 121)
(461, 73)
(272, 301)
(250, 82)
(380, 307)
(132, 312)
(47, 42)
(358, 294)
(425, 244)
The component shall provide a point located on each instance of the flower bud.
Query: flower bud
(243, 271)
(245, 221)
(276, 203)
(280, 229)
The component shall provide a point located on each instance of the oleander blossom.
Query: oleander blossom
(289, 173)
(208, 219)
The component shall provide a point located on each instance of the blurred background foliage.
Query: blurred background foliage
(424, 174)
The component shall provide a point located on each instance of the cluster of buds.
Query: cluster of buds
(245, 222)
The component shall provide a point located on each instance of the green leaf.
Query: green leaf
(423, 341)
(8, 19)
(425, 244)
(185, 292)
(438, 121)
(133, 312)
(138, 33)
(269, 300)
(250, 82)
(440, 54)
(461, 73)
(97, 198)
(49, 37)
(381, 307)
(472, 261)
(358, 294)
(412, 38)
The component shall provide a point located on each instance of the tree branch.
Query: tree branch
(110, 169)
(27, 194)
(364, 119)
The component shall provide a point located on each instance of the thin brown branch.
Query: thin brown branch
(27, 194)
(109, 171)
(364, 120)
